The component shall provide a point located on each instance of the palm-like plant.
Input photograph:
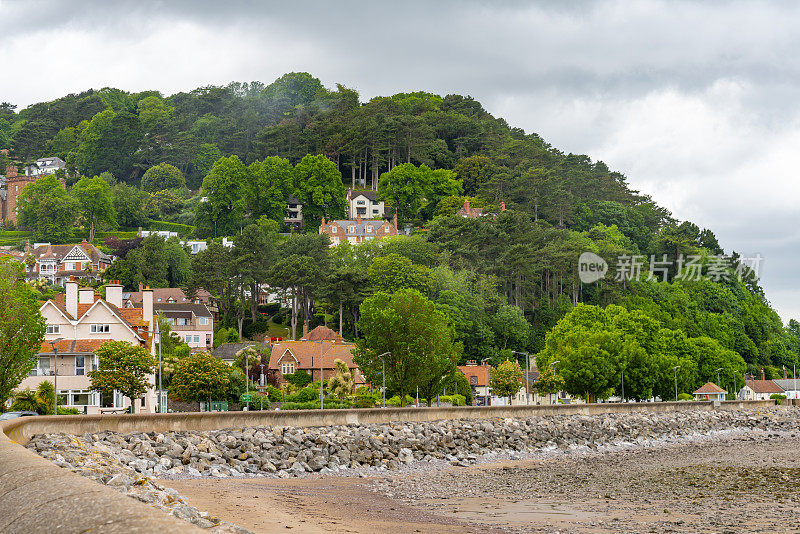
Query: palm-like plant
(27, 401)
(341, 384)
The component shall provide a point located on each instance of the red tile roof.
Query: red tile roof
(307, 354)
(763, 386)
(709, 387)
(72, 346)
(321, 333)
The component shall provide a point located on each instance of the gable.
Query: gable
(77, 254)
(289, 352)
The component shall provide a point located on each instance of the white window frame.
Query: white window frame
(80, 370)
(54, 329)
(100, 328)
(333, 229)
(287, 368)
(202, 321)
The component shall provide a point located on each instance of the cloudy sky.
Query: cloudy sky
(696, 102)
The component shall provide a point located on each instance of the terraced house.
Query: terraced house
(358, 230)
(78, 322)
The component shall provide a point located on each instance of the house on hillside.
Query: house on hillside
(294, 213)
(227, 351)
(709, 391)
(193, 323)
(366, 204)
(79, 322)
(358, 230)
(45, 166)
(59, 263)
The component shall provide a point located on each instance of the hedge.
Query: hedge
(184, 230)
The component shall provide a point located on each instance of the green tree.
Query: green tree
(318, 186)
(415, 334)
(511, 328)
(394, 272)
(21, 327)
(95, 203)
(128, 202)
(200, 377)
(506, 379)
(123, 368)
(340, 385)
(224, 188)
(46, 207)
(268, 185)
(162, 176)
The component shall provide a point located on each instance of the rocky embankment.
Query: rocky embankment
(131, 461)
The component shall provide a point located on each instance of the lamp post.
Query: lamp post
(622, 374)
(55, 373)
(486, 396)
(527, 375)
(160, 372)
(383, 375)
(321, 394)
(733, 382)
(718, 380)
(675, 369)
(553, 365)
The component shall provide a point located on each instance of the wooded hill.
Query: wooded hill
(506, 280)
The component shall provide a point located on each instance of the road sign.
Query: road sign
(247, 398)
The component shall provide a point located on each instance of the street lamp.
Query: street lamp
(486, 391)
(160, 372)
(622, 373)
(383, 375)
(527, 375)
(553, 365)
(676, 381)
(55, 373)
(718, 380)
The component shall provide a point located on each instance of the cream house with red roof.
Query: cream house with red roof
(709, 391)
(59, 263)
(82, 321)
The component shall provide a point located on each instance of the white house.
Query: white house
(43, 166)
(758, 389)
(78, 322)
(366, 204)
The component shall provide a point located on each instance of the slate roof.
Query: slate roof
(709, 387)
(227, 351)
(199, 310)
(321, 333)
(370, 195)
(293, 200)
(59, 252)
(361, 227)
(788, 384)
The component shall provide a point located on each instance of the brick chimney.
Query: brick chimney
(305, 329)
(72, 297)
(85, 245)
(466, 207)
(394, 220)
(11, 171)
(502, 206)
(762, 374)
(114, 293)
(785, 376)
(358, 218)
(322, 226)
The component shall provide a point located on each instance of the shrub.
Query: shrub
(275, 394)
(304, 395)
(685, 397)
(395, 401)
(250, 328)
(328, 404)
(364, 402)
(298, 378)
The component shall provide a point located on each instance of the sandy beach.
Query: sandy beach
(741, 482)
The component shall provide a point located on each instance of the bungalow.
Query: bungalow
(288, 357)
(709, 391)
(758, 389)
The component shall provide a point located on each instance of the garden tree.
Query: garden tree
(510, 327)
(128, 203)
(474, 171)
(39, 400)
(224, 187)
(298, 275)
(212, 271)
(548, 382)
(420, 343)
(163, 205)
(394, 272)
(95, 203)
(123, 368)
(458, 384)
(341, 384)
(47, 208)
(200, 377)
(173, 349)
(155, 262)
(254, 250)
(404, 187)
(709, 356)
(345, 288)
(269, 183)
(162, 176)
(318, 185)
(250, 359)
(21, 326)
(506, 379)
(441, 184)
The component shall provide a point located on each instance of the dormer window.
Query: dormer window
(352, 229)
(333, 229)
(369, 228)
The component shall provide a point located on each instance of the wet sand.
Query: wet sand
(738, 483)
